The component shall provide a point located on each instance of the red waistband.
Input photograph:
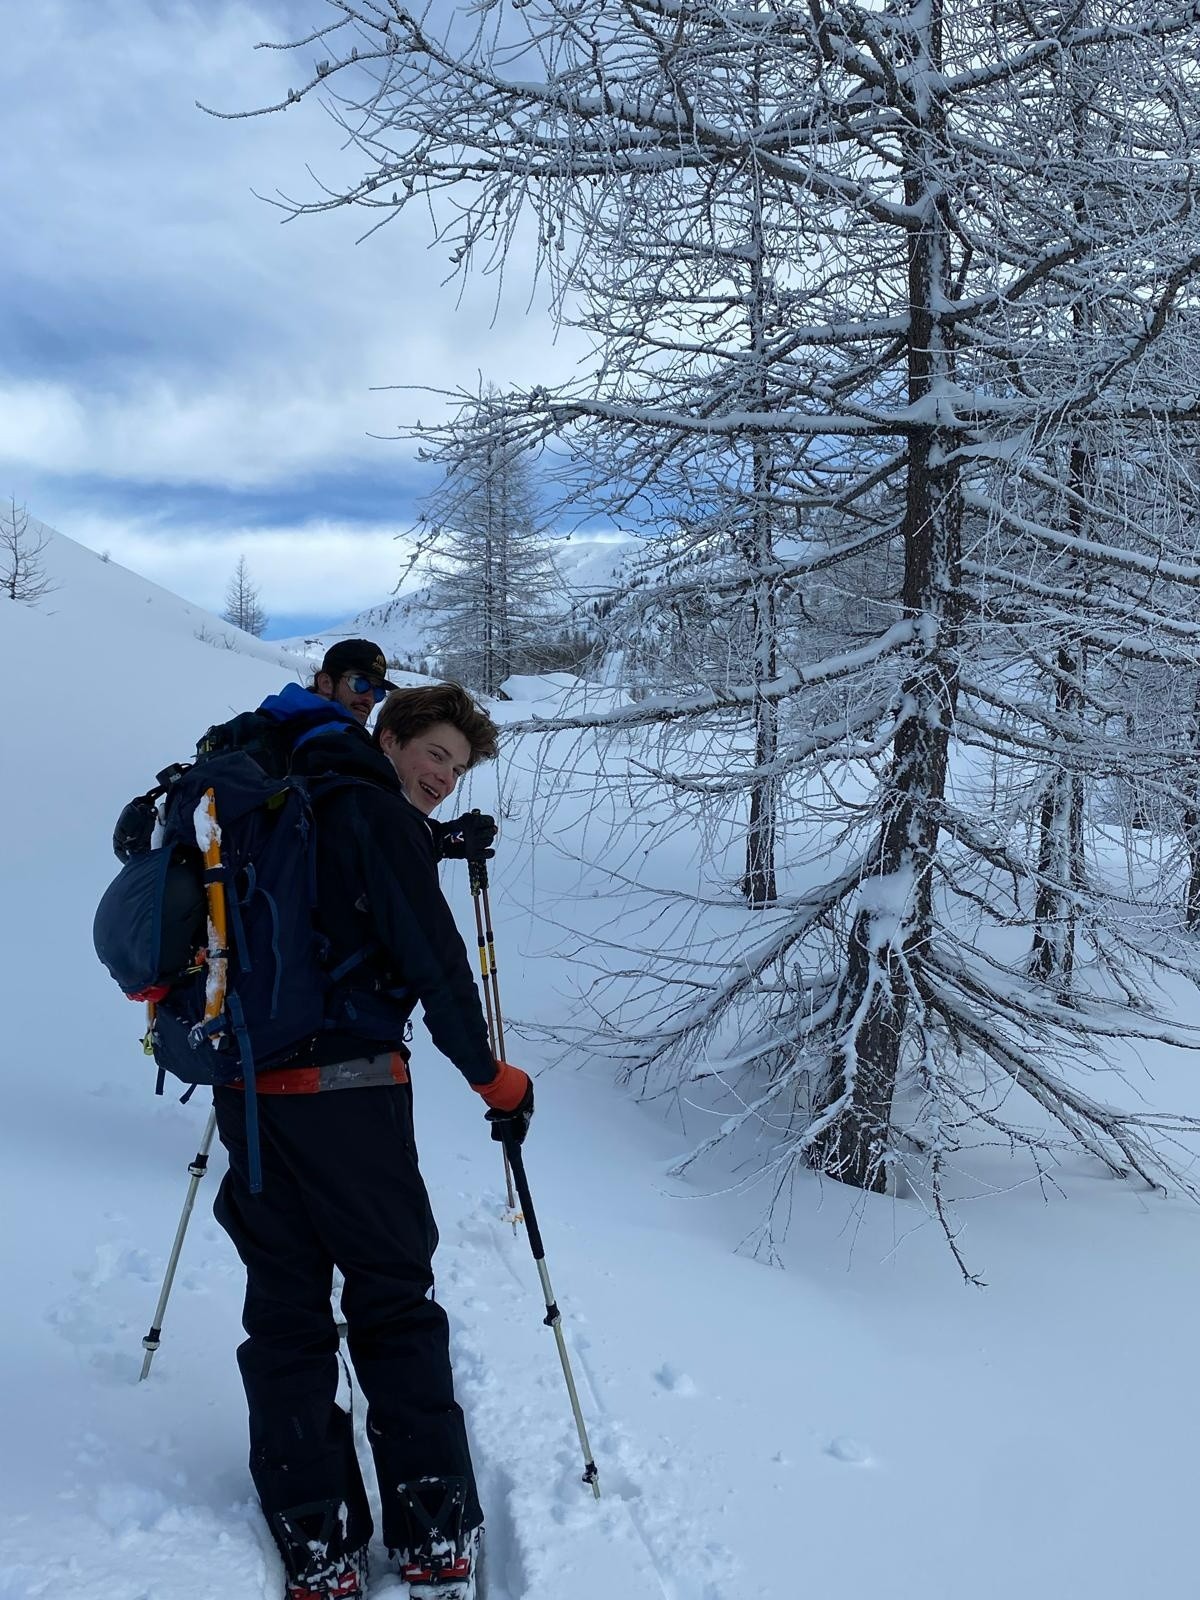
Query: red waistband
(309, 1080)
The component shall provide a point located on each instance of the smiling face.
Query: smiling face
(429, 764)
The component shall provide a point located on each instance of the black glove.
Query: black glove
(468, 838)
(510, 1127)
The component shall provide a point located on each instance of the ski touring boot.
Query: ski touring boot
(310, 1539)
(441, 1562)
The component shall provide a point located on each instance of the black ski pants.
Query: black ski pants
(341, 1187)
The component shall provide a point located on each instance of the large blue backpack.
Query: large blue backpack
(152, 932)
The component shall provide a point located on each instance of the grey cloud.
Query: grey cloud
(160, 324)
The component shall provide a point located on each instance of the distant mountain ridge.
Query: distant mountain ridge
(410, 630)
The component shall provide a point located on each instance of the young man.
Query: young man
(341, 1184)
(345, 689)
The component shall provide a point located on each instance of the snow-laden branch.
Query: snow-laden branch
(668, 709)
(1104, 555)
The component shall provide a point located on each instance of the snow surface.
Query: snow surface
(860, 1424)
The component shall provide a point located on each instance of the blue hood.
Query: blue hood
(292, 701)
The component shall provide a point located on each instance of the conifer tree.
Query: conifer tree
(243, 606)
(911, 284)
(23, 573)
(491, 570)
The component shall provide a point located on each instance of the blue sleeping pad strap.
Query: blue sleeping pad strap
(246, 1055)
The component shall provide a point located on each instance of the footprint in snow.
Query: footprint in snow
(850, 1451)
(673, 1381)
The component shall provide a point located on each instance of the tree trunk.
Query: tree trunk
(1060, 855)
(758, 883)
(1191, 823)
(893, 923)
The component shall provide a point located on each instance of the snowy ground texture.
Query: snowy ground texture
(860, 1424)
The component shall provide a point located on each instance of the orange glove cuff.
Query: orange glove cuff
(506, 1090)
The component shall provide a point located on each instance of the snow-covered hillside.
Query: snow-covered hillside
(859, 1424)
(89, 592)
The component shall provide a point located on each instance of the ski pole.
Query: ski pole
(477, 872)
(197, 1168)
(493, 972)
(473, 867)
(553, 1317)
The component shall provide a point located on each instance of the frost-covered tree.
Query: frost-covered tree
(867, 287)
(492, 576)
(687, 257)
(23, 573)
(243, 603)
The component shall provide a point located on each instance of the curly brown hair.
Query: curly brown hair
(407, 712)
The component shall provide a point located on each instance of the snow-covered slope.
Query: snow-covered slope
(91, 593)
(860, 1424)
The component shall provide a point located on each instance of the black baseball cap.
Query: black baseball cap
(356, 655)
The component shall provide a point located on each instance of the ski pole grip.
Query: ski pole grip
(477, 865)
(516, 1161)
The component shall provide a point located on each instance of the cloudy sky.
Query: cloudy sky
(182, 378)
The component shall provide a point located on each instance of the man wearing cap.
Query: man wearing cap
(354, 674)
(350, 682)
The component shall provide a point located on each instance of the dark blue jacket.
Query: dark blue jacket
(306, 713)
(270, 734)
(378, 894)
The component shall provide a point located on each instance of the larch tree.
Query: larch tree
(901, 303)
(492, 575)
(23, 574)
(243, 603)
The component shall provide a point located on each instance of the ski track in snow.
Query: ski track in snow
(543, 1542)
(134, 1537)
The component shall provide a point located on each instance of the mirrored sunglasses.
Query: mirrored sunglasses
(360, 683)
